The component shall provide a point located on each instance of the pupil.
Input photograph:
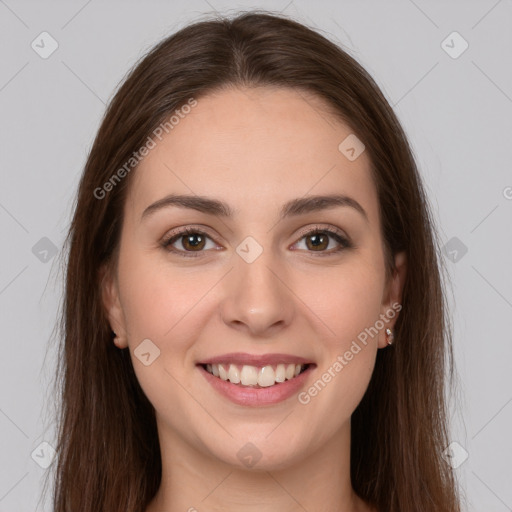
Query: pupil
(318, 240)
(190, 240)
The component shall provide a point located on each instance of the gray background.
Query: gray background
(456, 111)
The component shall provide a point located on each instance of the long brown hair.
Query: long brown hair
(108, 456)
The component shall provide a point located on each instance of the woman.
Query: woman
(254, 317)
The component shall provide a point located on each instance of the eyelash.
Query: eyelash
(342, 240)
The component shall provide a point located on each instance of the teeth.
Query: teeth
(253, 375)
(290, 371)
(223, 374)
(266, 377)
(233, 374)
(249, 375)
(280, 373)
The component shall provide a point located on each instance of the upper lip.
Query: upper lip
(256, 360)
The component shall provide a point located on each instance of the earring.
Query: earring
(390, 336)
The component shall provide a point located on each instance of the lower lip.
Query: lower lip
(244, 395)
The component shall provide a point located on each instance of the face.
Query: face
(283, 280)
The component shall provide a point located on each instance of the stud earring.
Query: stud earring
(390, 336)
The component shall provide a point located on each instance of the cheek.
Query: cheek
(156, 298)
(347, 358)
(168, 306)
(353, 311)
(158, 306)
(347, 299)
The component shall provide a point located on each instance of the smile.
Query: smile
(254, 376)
(256, 380)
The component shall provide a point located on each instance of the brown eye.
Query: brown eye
(188, 242)
(319, 241)
(193, 241)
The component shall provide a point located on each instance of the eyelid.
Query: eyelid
(183, 230)
(324, 228)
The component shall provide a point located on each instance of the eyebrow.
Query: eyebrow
(295, 207)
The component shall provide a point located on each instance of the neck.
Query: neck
(193, 480)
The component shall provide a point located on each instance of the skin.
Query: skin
(254, 149)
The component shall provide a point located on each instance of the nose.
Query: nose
(258, 300)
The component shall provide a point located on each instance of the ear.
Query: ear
(392, 299)
(112, 305)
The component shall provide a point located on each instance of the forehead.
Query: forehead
(255, 149)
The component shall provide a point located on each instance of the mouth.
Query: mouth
(257, 380)
(250, 376)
